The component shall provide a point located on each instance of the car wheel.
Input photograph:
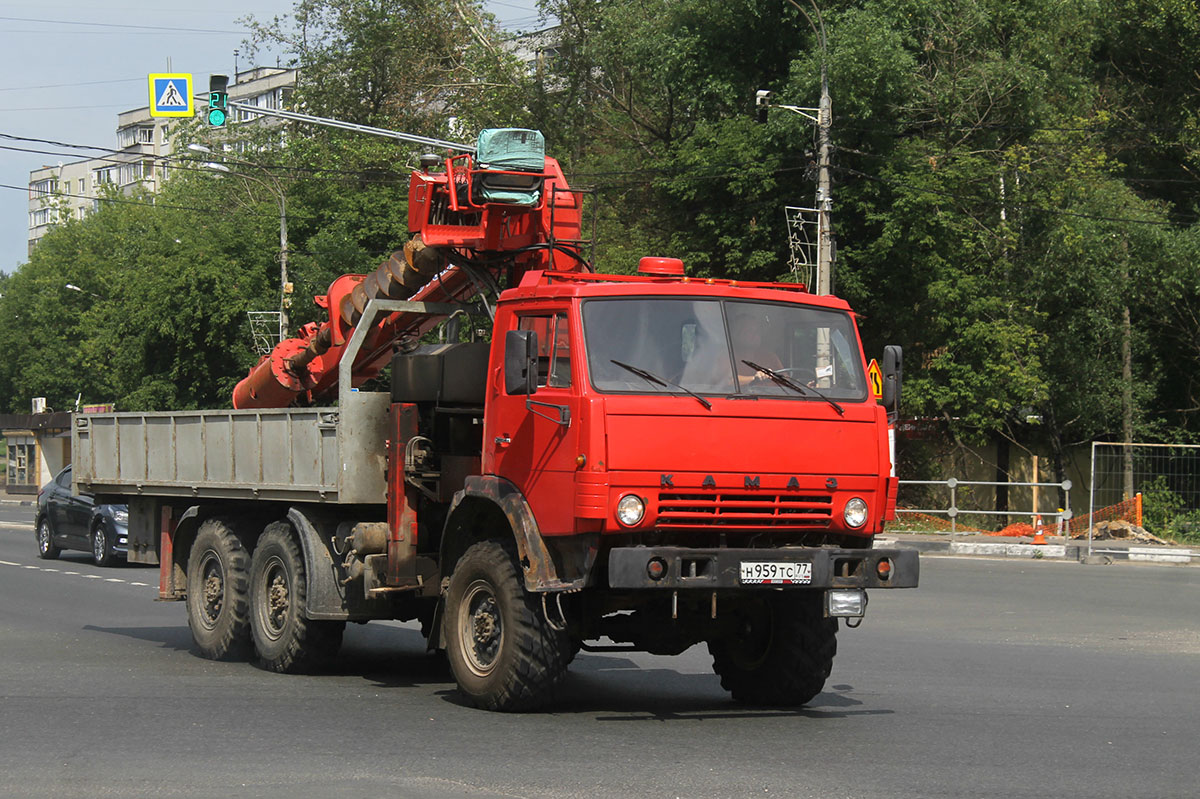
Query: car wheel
(102, 549)
(45, 540)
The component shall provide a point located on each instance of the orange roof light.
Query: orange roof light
(660, 267)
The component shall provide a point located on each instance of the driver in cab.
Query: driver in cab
(745, 330)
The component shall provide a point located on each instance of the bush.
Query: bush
(1160, 505)
(1185, 527)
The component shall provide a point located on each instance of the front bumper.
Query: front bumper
(629, 567)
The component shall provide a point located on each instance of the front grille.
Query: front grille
(717, 509)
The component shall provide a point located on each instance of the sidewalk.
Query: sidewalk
(1056, 548)
(16, 499)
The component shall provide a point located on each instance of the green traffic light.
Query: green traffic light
(216, 117)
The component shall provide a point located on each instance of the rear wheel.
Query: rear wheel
(45, 540)
(102, 548)
(218, 592)
(503, 653)
(780, 651)
(285, 639)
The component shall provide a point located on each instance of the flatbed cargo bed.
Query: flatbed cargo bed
(327, 455)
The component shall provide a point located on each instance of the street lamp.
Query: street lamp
(276, 188)
(73, 287)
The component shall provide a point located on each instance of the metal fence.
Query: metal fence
(1058, 519)
(1164, 479)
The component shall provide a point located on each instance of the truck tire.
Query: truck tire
(503, 654)
(45, 538)
(218, 592)
(781, 652)
(285, 639)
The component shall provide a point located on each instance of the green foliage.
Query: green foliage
(1010, 181)
(1160, 506)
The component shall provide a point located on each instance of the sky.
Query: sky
(68, 67)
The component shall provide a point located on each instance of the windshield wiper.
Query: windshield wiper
(784, 380)
(662, 381)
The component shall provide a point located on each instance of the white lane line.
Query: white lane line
(75, 574)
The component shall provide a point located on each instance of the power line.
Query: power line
(71, 85)
(1014, 205)
(243, 31)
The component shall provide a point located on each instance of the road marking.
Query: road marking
(49, 570)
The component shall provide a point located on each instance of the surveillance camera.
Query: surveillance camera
(762, 98)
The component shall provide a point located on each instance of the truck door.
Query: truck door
(534, 449)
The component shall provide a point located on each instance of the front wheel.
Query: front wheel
(503, 653)
(780, 650)
(45, 540)
(285, 639)
(102, 548)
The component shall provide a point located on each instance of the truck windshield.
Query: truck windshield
(703, 346)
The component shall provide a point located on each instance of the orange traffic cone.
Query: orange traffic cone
(1039, 535)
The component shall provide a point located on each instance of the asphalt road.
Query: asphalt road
(994, 679)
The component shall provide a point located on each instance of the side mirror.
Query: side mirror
(893, 376)
(520, 362)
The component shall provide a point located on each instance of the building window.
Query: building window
(39, 217)
(82, 185)
(43, 187)
(145, 135)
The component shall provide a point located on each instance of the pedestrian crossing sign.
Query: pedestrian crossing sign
(171, 95)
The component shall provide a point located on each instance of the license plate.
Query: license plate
(757, 573)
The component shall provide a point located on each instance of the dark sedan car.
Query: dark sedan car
(75, 521)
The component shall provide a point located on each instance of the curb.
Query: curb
(1076, 552)
(26, 502)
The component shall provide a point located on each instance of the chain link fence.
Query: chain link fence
(1160, 482)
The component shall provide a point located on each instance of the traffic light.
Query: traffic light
(218, 100)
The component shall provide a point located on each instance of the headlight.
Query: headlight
(630, 510)
(855, 512)
(121, 516)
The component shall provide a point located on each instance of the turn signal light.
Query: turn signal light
(884, 569)
(656, 569)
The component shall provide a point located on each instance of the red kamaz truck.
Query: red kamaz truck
(619, 462)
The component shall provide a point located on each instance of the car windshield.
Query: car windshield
(724, 347)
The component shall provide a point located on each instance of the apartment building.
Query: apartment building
(142, 156)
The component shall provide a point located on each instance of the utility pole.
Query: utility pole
(824, 189)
